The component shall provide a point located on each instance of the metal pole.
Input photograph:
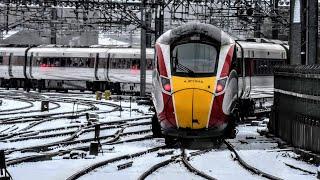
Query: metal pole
(53, 31)
(143, 51)
(295, 32)
(303, 6)
(148, 25)
(158, 21)
(7, 18)
(275, 27)
(312, 31)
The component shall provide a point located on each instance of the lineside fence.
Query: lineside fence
(296, 111)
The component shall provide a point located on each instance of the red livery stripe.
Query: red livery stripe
(161, 64)
(227, 64)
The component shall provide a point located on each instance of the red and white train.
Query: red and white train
(200, 73)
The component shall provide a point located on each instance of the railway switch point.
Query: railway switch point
(107, 94)
(98, 95)
(94, 148)
(4, 174)
(44, 106)
(97, 133)
(125, 165)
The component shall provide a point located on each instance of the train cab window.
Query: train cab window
(196, 58)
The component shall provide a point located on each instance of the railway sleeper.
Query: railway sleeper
(125, 165)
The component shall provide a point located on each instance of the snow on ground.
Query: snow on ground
(57, 123)
(103, 132)
(220, 165)
(31, 142)
(257, 150)
(8, 104)
(138, 167)
(65, 107)
(173, 171)
(62, 168)
(274, 163)
(137, 128)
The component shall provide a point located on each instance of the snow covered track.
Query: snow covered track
(184, 158)
(193, 169)
(56, 144)
(103, 163)
(156, 167)
(247, 166)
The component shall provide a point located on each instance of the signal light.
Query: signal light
(166, 84)
(221, 85)
(167, 87)
(219, 88)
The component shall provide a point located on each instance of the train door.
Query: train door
(4, 65)
(107, 67)
(10, 65)
(96, 66)
(28, 66)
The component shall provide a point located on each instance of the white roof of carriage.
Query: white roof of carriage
(130, 53)
(17, 51)
(66, 52)
(90, 52)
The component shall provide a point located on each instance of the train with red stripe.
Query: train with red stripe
(200, 73)
(61, 68)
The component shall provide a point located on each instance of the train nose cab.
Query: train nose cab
(191, 80)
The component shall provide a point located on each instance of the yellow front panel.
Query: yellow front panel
(183, 107)
(192, 98)
(201, 108)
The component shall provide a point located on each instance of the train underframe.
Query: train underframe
(60, 85)
(171, 135)
(65, 85)
(243, 109)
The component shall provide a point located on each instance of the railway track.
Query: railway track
(105, 140)
(71, 139)
(184, 158)
(115, 134)
(245, 165)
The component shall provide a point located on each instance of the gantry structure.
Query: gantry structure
(241, 18)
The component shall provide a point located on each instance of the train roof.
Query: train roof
(190, 28)
(66, 52)
(89, 52)
(264, 46)
(261, 50)
(17, 51)
(130, 53)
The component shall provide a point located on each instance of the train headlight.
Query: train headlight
(221, 85)
(166, 84)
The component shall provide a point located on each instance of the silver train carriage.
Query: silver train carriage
(64, 68)
(256, 62)
(12, 60)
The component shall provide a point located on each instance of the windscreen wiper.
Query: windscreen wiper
(182, 67)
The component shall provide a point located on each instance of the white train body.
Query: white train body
(84, 68)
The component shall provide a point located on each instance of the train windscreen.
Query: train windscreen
(194, 58)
